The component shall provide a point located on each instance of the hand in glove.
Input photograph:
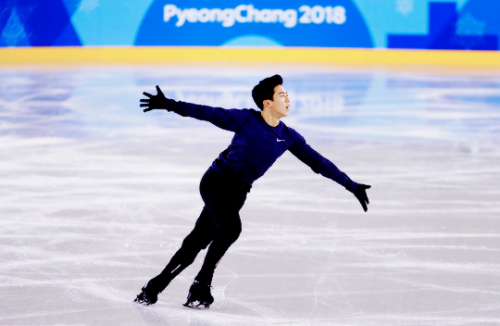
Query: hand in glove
(154, 101)
(360, 194)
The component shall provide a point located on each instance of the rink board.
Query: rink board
(158, 55)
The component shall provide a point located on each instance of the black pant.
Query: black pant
(219, 225)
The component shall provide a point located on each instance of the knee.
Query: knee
(231, 232)
(196, 242)
(236, 231)
(188, 241)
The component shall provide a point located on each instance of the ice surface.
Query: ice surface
(95, 197)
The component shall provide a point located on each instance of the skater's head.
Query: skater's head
(265, 90)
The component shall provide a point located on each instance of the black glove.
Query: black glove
(154, 101)
(360, 194)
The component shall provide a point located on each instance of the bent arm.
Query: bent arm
(321, 165)
(222, 118)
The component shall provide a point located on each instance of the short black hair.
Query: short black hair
(264, 90)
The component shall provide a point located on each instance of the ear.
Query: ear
(266, 103)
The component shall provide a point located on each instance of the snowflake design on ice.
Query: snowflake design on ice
(468, 26)
(404, 7)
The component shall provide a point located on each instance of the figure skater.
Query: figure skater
(259, 139)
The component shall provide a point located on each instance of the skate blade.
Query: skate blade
(142, 301)
(197, 305)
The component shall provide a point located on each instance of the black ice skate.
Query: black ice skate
(199, 296)
(150, 291)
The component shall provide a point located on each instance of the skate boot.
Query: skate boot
(150, 291)
(199, 296)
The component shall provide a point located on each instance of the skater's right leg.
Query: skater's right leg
(199, 238)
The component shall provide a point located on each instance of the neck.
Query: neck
(269, 118)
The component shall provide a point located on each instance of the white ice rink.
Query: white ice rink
(96, 196)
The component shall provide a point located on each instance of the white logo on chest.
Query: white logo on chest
(278, 140)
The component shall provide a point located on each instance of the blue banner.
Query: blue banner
(285, 23)
(406, 24)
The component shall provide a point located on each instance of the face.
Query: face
(280, 105)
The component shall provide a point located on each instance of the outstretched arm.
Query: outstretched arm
(225, 119)
(326, 168)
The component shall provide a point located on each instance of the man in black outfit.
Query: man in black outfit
(260, 138)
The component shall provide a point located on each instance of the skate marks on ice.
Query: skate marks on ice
(96, 197)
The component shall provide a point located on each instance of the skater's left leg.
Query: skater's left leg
(227, 234)
(223, 202)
